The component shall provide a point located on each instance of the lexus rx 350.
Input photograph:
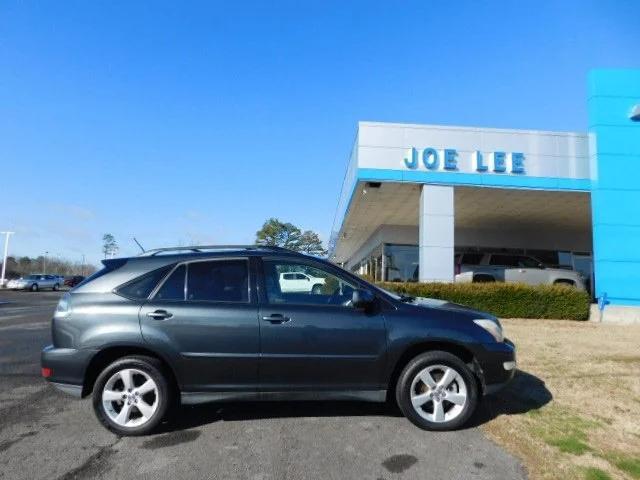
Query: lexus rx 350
(201, 324)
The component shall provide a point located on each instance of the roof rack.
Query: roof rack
(202, 248)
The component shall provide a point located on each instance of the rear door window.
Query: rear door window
(173, 287)
(471, 258)
(528, 262)
(218, 281)
(504, 260)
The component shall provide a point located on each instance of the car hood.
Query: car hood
(447, 305)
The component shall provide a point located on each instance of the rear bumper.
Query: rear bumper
(497, 362)
(73, 390)
(67, 366)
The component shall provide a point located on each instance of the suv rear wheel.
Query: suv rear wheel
(131, 396)
(437, 391)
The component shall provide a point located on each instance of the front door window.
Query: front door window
(298, 283)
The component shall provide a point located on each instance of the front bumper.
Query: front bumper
(497, 364)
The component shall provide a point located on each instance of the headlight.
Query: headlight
(64, 307)
(491, 326)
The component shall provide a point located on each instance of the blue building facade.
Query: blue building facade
(614, 127)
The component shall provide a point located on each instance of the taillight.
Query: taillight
(64, 306)
(47, 372)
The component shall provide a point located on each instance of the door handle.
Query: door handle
(159, 315)
(276, 318)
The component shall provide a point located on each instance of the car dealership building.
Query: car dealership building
(416, 195)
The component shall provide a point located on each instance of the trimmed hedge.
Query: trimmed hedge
(505, 300)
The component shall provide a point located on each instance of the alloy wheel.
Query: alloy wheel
(438, 393)
(130, 397)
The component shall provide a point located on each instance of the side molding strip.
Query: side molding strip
(192, 398)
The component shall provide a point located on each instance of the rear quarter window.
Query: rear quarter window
(141, 287)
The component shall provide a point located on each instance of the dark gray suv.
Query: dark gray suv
(200, 324)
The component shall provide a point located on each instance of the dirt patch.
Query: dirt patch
(591, 426)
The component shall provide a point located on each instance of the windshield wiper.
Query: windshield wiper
(406, 298)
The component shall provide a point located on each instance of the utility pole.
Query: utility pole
(6, 252)
(44, 263)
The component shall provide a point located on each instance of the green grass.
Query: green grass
(593, 473)
(626, 463)
(568, 444)
(562, 429)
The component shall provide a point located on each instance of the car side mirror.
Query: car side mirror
(362, 298)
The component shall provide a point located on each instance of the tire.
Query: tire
(34, 287)
(111, 383)
(316, 289)
(56, 287)
(434, 404)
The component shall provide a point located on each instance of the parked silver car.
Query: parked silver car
(35, 282)
(507, 267)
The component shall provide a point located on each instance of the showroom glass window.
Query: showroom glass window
(401, 263)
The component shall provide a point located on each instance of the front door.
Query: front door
(314, 339)
(205, 313)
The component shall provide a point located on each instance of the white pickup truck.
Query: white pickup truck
(291, 282)
(507, 267)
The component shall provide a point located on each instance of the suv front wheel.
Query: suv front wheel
(437, 391)
(131, 396)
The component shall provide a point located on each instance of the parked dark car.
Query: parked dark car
(73, 281)
(199, 324)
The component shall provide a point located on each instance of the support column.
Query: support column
(435, 242)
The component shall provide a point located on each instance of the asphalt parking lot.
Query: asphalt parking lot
(46, 434)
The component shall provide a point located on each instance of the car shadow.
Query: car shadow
(524, 393)
(192, 416)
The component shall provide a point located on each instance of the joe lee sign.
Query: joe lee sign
(447, 159)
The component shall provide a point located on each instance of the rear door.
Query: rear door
(206, 312)
(505, 267)
(315, 340)
(531, 271)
